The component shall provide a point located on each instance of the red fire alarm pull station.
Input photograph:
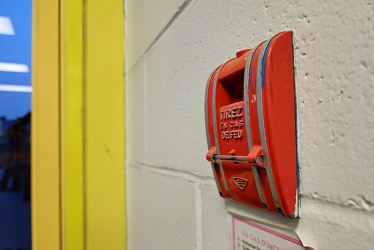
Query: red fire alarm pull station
(251, 127)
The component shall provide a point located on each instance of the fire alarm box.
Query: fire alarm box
(250, 120)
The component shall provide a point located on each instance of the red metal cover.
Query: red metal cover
(251, 127)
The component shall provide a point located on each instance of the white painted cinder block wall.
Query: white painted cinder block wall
(171, 48)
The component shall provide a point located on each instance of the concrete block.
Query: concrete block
(176, 131)
(215, 223)
(332, 226)
(161, 211)
(136, 116)
(335, 110)
(144, 22)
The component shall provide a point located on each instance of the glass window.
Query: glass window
(15, 123)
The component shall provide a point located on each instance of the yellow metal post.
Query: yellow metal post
(72, 125)
(46, 198)
(104, 124)
(78, 138)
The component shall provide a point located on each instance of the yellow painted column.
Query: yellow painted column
(46, 158)
(104, 124)
(78, 136)
(72, 124)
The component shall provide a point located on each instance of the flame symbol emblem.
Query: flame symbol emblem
(240, 182)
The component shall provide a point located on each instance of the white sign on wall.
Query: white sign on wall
(249, 235)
